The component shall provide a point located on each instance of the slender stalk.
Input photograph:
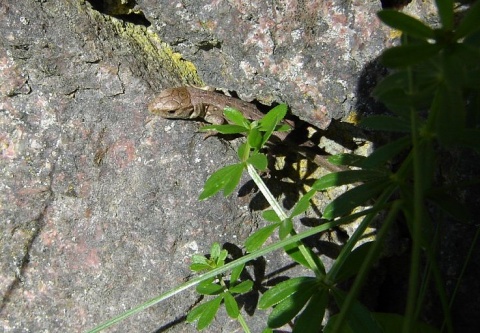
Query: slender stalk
(359, 231)
(266, 192)
(342, 318)
(416, 223)
(243, 323)
(281, 214)
(457, 285)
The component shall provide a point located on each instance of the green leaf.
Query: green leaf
(200, 263)
(208, 281)
(289, 307)
(394, 81)
(450, 205)
(392, 91)
(199, 259)
(397, 101)
(215, 251)
(385, 153)
(241, 153)
(302, 204)
(255, 138)
(285, 289)
(359, 319)
(406, 24)
(269, 122)
(231, 305)
(221, 258)
(457, 64)
(271, 216)
(256, 240)
(224, 129)
(352, 263)
(407, 55)
(226, 178)
(285, 228)
(464, 65)
(294, 252)
(386, 123)
(268, 128)
(209, 289)
(259, 161)
(286, 310)
(310, 320)
(469, 23)
(243, 287)
(195, 313)
(267, 330)
(346, 159)
(273, 117)
(282, 128)
(354, 198)
(346, 177)
(449, 114)
(445, 11)
(209, 310)
(235, 275)
(199, 267)
(236, 117)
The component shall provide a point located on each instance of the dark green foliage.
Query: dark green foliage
(432, 91)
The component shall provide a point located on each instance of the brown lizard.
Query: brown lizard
(194, 103)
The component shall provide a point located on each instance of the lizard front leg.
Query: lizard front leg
(211, 115)
(214, 115)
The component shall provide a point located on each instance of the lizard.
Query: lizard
(194, 103)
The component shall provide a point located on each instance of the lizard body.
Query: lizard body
(193, 103)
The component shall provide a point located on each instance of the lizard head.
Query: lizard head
(172, 103)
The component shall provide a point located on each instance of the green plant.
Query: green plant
(308, 293)
(223, 290)
(433, 93)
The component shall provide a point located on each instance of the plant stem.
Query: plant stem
(416, 223)
(266, 192)
(366, 265)
(243, 323)
(281, 214)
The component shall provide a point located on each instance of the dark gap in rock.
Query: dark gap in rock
(97, 5)
(138, 19)
(207, 45)
(395, 4)
(123, 12)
